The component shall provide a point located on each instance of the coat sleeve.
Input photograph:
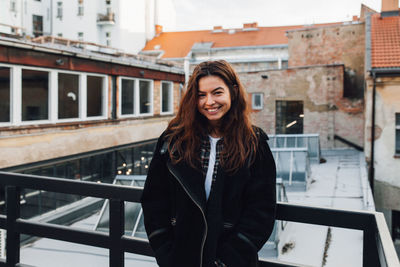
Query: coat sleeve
(156, 204)
(258, 214)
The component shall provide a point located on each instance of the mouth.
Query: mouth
(212, 110)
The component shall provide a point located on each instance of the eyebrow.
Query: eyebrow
(213, 89)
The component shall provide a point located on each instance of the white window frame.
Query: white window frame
(151, 113)
(51, 115)
(135, 95)
(104, 97)
(16, 96)
(253, 98)
(10, 122)
(170, 100)
(80, 97)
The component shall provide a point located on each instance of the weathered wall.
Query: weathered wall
(319, 87)
(341, 44)
(22, 147)
(386, 163)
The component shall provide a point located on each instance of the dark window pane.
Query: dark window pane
(127, 97)
(68, 96)
(398, 141)
(166, 91)
(35, 95)
(289, 117)
(145, 101)
(94, 96)
(37, 23)
(4, 94)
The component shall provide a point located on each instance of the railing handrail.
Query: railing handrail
(378, 247)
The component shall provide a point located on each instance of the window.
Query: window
(257, 101)
(5, 94)
(37, 23)
(108, 2)
(80, 36)
(59, 10)
(108, 38)
(127, 97)
(95, 94)
(398, 133)
(60, 34)
(395, 225)
(80, 7)
(289, 117)
(145, 97)
(68, 96)
(136, 97)
(13, 6)
(166, 98)
(35, 95)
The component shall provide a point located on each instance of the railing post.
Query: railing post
(370, 251)
(13, 213)
(117, 230)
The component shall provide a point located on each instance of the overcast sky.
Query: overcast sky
(204, 14)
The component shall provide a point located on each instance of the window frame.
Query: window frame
(135, 95)
(16, 96)
(104, 98)
(151, 113)
(10, 122)
(170, 100)
(253, 96)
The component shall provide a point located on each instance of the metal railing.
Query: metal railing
(310, 141)
(378, 249)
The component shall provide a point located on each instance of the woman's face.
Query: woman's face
(214, 99)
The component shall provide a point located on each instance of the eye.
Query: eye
(201, 95)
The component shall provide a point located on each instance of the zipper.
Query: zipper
(202, 212)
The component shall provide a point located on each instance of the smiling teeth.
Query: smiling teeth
(212, 110)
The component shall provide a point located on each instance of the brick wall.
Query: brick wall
(320, 88)
(343, 44)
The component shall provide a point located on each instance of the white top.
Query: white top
(211, 163)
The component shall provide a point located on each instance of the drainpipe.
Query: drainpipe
(186, 66)
(371, 165)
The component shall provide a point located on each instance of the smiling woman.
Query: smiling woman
(209, 197)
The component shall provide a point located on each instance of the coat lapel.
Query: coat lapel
(191, 180)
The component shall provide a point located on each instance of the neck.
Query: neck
(214, 130)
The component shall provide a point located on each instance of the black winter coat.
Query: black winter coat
(186, 230)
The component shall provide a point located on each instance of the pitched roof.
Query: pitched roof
(179, 44)
(385, 41)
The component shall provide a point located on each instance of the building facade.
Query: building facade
(56, 102)
(382, 113)
(122, 24)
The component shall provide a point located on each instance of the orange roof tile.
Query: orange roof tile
(179, 44)
(385, 41)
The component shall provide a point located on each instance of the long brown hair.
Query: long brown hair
(187, 129)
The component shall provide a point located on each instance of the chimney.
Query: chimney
(159, 29)
(390, 8)
(253, 25)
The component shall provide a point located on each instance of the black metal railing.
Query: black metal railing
(378, 249)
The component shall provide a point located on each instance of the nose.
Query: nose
(210, 100)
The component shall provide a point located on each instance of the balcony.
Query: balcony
(106, 19)
(378, 249)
